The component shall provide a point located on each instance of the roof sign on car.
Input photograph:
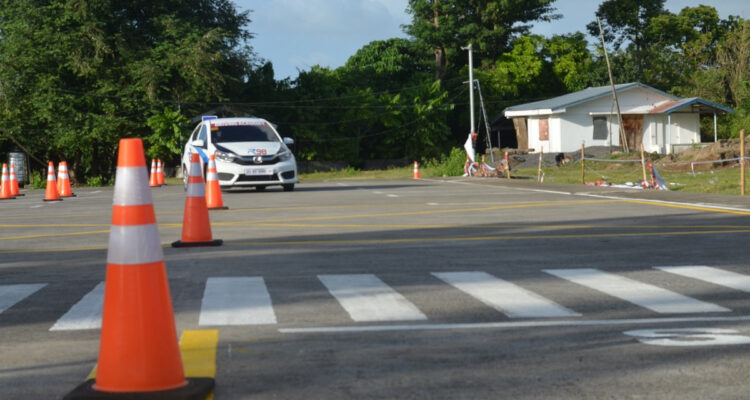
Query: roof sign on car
(208, 117)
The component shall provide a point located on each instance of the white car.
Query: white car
(249, 152)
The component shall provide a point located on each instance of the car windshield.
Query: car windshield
(243, 133)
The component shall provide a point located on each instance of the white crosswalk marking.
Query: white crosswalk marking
(712, 275)
(512, 300)
(367, 298)
(236, 301)
(642, 294)
(12, 294)
(86, 314)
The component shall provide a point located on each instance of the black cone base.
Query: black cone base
(218, 208)
(196, 389)
(180, 243)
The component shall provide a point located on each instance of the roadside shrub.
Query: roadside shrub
(451, 164)
(37, 180)
(95, 181)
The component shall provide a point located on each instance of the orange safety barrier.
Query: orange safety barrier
(214, 200)
(139, 355)
(51, 194)
(196, 227)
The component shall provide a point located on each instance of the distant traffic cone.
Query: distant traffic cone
(213, 190)
(139, 356)
(416, 171)
(5, 192)
(196, 227)
(160, 172)
(14, 181)
(152, 180)
(52, 193)
(64, 180)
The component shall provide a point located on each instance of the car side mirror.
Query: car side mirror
(288, 141)
(198, 143)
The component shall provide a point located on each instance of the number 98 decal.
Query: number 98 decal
(689, 337)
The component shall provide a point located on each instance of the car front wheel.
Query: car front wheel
(288, 188)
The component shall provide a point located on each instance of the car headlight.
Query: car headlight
(285, 155)
(224, 156)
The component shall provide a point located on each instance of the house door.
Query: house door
(632, 125)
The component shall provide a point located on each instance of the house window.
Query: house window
(600, 128)
(544, 129)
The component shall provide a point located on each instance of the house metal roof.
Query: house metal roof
(695, 104)
(560, 103)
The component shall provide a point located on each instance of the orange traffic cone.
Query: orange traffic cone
(5, 192)
(14, 181)
(64, 180)
(160, 172)
(139, 356)
(213, 190)
(152, 181)
(196, 227)
(416, 170)
(51, 194)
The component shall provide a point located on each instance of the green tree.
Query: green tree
(625, 22)
(447, 25)
(75, 76)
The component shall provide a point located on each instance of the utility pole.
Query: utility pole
(623, 139)
(471, 86)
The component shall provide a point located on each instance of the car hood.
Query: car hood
(251, 148)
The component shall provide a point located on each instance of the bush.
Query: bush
(450, 165)
(95, 181)
(37, 180)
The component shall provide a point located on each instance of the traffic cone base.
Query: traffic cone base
(195, 389)
(180, 243)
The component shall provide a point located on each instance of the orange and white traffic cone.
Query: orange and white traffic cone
(52, 194)
(64, 180)
(160, 172)
(14, 181)
(152, 181)
(5, 192)
(196, 227)
(416, 170)
(213, 190)
(139, 355)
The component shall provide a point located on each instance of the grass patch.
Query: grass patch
(723, 181)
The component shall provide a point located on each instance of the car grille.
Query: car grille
(267, 160)
(258, 178)
(287, 174)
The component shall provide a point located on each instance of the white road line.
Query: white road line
(12, 294)
(514, 301)
(367, 298)
(86, 314)
(712, 275)
(515, 324)
(236, 301)
(642, 294)
(392, 195)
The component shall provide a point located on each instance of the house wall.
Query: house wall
(577, 125)
(554, 142)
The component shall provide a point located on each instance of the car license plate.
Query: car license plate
(258, 171)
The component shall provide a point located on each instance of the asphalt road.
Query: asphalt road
(408, 289)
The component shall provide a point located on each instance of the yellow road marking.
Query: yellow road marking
(483, 238)
(198, 351)
(690, 207)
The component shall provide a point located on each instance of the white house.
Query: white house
(661, 122)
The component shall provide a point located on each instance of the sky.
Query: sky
(297, 34)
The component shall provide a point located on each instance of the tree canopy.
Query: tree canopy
(75, 76)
